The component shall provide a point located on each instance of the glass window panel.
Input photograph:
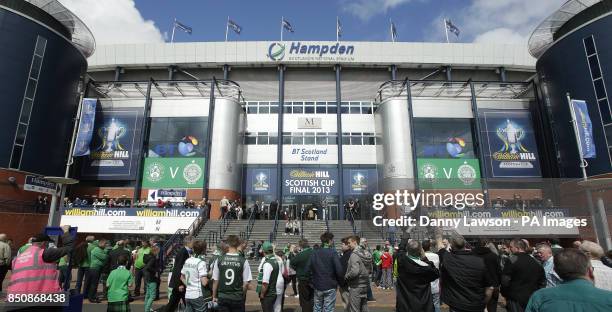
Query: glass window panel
(26, 109)
(309, 108)
(297, 139)
(346, 140)
(321, 139)
(21, 134)
(609, 134)
(600, 90)
(273, 109)
(36, 64)
(589, 44)
(309, 139)
(594, 65)
(332, 140)
(273, 140)
(40, 46)
(262, 140)
(31, 88)
(332, 110)
(366, 108)
(251, 109)
(606, 114)
(321, 109)
(251, 140)
(288, 109)
(356, 140)
(355, 109)
(16, 157)
(298, 109)
(264, 109)
(286, 139)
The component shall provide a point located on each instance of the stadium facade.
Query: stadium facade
(351, 127)
(309, 124)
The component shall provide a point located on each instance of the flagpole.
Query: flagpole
(446, 31)
(337, 30)
(391, 30)
(577, 135)
(282, 20)
(226, 28)
(173, 28)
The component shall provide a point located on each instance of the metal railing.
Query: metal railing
(176, 240)
(301, 225)
(275, 228)
(352, 221)
(224, 224)
(250, 225)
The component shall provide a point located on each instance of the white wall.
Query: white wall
(179, 107)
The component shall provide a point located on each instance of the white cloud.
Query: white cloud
(115, 21)
(366, 9)
(501, 35)
(498, 21)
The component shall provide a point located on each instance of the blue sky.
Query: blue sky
(312, 20)
(150, 21)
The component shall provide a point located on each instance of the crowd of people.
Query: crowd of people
(464, 275)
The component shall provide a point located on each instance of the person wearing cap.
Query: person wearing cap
(269, 274)
(35, 269)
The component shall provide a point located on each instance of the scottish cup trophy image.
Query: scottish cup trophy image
(260, 182)
(110, 135)
(511, 135)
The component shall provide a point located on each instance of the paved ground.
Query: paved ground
(385, 300)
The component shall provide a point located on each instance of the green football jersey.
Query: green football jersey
(231, 282)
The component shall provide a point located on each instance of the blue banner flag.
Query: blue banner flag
(585, 129)
(287, 25)
(452, 28)
(85, 132)
(235, 27)
(183, 27)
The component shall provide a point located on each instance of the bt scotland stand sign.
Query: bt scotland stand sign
(297, 51)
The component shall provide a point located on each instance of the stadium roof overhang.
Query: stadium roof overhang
(167, 89)
(82, 37)
(436, 89)
(543, 37)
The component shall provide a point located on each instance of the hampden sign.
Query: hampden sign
(297, 51)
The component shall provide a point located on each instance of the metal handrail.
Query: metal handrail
(275, 228)
(177, 238)
(352, 220)
(250, 225)
(224, 224)
(301, 224)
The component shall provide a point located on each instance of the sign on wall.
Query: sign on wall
(360, 181)
(175, 196)
(173, 173)
(315, 181)
(40, 185)
(131, 220)
(310, 154)
(115, 147)
(261, 181)
(509, 143)
(448, 173)
(310, 123)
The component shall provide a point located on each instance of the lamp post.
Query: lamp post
(62, 182)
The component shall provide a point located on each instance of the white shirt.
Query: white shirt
(435, 285)
(603, 275)
(193, 270)
(267, 272)
(246, 271)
